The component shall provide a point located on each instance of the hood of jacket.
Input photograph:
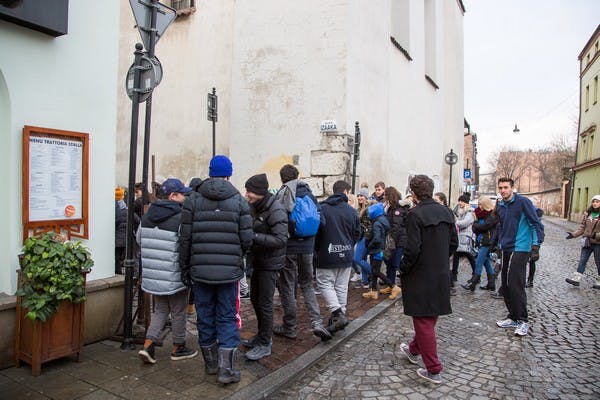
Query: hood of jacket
(162, 210)
(336, 199)
(375, 211)
(217, 189)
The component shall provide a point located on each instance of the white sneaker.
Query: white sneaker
(522, 329)
(507, 323)
(356, 277)
(574, 279)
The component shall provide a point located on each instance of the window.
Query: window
(184, 7)
(586, 196)
(577, 201)
(591, 147)
(400, 26)
(583, 149)
(587, 97)
(595, 89)
(587, 59)
(596, 48)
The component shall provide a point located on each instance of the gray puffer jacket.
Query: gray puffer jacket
(216, 231)
(158, 237)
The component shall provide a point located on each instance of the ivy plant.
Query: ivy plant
(52, 271)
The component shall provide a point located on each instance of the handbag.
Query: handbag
(473, 248)
(390, 246)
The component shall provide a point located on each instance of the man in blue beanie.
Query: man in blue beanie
(216, 231)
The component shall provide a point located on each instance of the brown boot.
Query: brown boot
(395, 292)
(386, 290)
(371, 294)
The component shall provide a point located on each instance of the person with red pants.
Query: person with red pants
(431, 239)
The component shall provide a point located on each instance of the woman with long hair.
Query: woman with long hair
(590, 230)
(360, 253)
(395, 211)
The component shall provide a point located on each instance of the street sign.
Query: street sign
(142, 11)
(467, 173)
(211, 106)
(151, 75)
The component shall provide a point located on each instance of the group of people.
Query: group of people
(202, 237)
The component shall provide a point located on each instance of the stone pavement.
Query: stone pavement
(558, 360)
(107, 372)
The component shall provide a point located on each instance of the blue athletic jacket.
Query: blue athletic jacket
(519, 227)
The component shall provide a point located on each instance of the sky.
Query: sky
(521, 68)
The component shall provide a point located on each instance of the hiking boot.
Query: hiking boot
(259, 351)
(395, 292)
(413, 358)
(227, 372)
(191, 309)
(371, 294)
(320, 331)
(575, 278)
(386, 290)
(210, 354)
(337, 321)
(522, 328)
(507, 323)
(147, 353)
(250, 343)
(181, 353)
(428, 376)
(280, 330)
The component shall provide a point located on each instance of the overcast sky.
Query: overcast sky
(521, 67)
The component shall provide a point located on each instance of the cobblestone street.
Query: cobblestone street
(559, 359)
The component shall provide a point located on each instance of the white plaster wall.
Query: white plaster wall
(288, 74)
(63, 83)
(195, 53)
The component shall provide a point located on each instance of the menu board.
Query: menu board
(55, 178)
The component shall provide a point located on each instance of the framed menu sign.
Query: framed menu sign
(55, 181)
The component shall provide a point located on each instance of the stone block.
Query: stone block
(328, 182)
(336, 142)
(316, 185)
(328, 163)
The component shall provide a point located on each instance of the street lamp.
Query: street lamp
(516, 130)
(451, 159)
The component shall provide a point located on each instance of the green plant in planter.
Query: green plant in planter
(52, 271)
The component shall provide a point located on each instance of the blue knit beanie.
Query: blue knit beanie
(220, 166)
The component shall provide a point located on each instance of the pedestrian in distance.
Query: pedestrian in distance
(295, 194)
(268, 257)
(590, 232)
(216, 232)
(464, 222)
(334, 247)
(120, 229)
(395, 211)
(158, 238)
(360, 252)
(519, 235)
(377, 195)
(431, 239)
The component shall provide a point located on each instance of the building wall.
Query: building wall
(66, 83)
(587, 168)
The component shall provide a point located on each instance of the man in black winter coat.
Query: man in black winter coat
(431, 240)
(216, 232)
(267, 257)
(335, 249)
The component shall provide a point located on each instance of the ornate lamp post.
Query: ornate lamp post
(451, 159)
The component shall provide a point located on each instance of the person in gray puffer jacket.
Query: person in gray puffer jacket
(158, 237)
(216, 232)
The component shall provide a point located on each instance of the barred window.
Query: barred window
(184, 7)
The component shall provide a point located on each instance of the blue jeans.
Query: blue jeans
(483, 259)
(217, 307)
(392, 265)
(586, 252)
(360, 259)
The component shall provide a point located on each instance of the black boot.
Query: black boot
(211, 358)
(472, 284)
(227, 372)
(337, 321)
(491, 283)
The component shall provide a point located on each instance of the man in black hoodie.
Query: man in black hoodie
(216, 232)
(267, 257)
(335, 249)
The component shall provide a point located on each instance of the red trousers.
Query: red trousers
(425, 343)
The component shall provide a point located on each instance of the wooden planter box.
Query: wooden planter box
(37, 342)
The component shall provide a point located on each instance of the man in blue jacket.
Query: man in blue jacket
(519, 236)
(335, 249)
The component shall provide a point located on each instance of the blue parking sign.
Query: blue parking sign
(467, 173)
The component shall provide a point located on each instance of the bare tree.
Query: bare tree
(554, 162)
(511, 163)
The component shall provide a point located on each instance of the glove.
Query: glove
(569, 235)
(535, 253)
(186, 278)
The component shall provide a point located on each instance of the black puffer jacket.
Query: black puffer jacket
(486, 227)
(396, 215)
(270, 234)
(216, 231)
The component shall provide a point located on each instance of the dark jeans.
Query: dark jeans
(425, 343)
(392, 264)
(531, 271)
(376, 273)
(455, 259)
(218, 310)
(586, 252)
(262, 289)
(298, 269)
(514, 268)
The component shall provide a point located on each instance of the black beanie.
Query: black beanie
(258, 184)
(463, 198)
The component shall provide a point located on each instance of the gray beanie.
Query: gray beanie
(363, 192)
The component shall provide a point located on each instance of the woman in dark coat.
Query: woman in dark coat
(431, 239)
